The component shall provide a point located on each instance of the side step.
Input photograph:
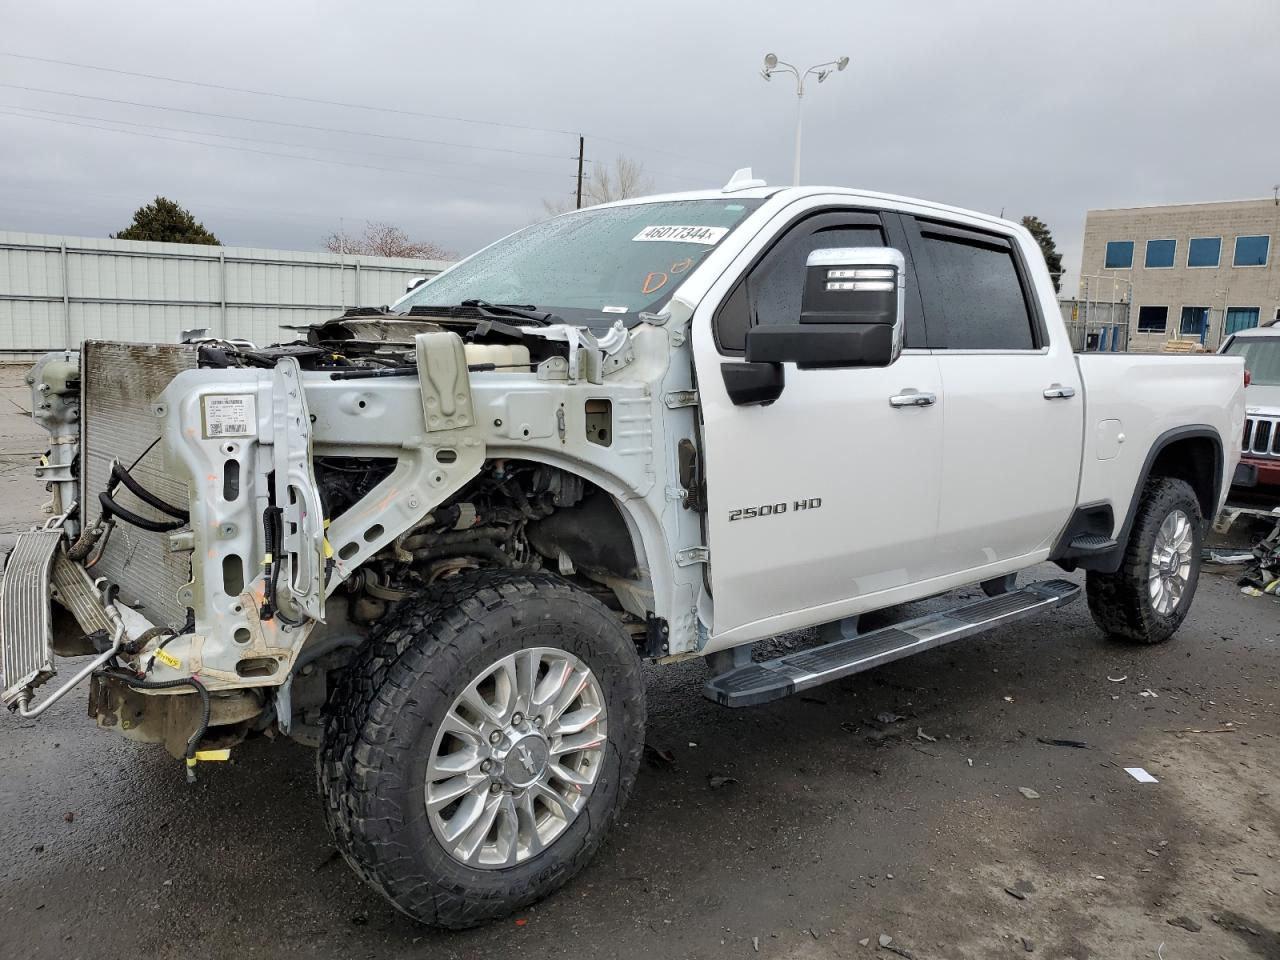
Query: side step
(757, 683)
(1087, 544)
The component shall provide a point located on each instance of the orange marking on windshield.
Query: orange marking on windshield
(654, 282)
(680, 266)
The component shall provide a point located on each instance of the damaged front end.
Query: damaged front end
(227, 522)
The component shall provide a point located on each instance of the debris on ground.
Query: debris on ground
(864, 941)
(1140, 775)
(1027, 945)
(716, 781)
(1029, 793)
(920, 734)
(1262, 576)
(1223, 556)
(658, 756)
(1232, 923)
(1149, 693)
(1118, 679)
(69, 817)
(886, 943)
(1016, 894)
(1055, 742)
(755, 943)
(1186, 923)
(887, 718)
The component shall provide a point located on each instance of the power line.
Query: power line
(288, 96)
(353, 106)
(265, 153)
(281, 123)
(278, 143)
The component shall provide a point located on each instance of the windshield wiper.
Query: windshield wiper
(523, 311)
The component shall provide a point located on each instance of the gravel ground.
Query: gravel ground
(836, 828)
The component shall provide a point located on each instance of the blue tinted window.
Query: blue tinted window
(1119, 255)
(1251, 251)
(1240, 318)
(1160, 252)
(1204, 252)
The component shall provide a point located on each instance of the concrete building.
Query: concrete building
(1199, 270)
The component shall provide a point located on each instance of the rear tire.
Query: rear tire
(392, 756)
(1148, 597)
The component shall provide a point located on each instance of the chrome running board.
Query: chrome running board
(756, 683)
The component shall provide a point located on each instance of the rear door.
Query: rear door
(830, 492)
(1012, 404)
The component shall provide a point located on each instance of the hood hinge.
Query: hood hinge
(681, 398)
(691, 555)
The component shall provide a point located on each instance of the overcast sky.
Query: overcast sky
(1025, 107)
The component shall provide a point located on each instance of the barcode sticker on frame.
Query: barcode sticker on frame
(229, 415)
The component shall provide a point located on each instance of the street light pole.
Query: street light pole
(773, 65)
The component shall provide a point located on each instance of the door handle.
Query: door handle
(1058, 392)
(913, 398)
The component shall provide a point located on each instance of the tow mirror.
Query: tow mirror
(851, 313)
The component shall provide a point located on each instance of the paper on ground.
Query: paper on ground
(1140, 775)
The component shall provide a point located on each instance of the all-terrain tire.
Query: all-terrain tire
(1121, 603)
(384, 711)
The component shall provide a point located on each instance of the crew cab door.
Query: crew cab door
(831, 491)
(1011, 397)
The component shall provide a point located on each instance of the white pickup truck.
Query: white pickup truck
(437, 540)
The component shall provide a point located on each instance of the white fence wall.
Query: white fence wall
(57, 291)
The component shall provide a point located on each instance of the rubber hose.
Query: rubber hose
(112, 509)
(118, 472)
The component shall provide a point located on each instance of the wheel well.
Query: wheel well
(1196, 460)
(520, 515)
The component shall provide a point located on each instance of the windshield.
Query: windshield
(594, 267)
(1261, 358)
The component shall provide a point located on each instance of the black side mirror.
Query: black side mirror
(750, 384)
(851, 313)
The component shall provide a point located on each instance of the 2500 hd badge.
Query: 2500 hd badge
(773, 509)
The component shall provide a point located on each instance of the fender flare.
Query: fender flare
(1109, 562)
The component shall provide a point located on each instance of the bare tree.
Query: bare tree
(384, 240)
(622, 179)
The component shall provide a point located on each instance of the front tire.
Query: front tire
(1147, 599)
(482, 744)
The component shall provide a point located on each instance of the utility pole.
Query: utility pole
(581, 145)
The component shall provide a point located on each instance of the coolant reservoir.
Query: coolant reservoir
(513, 358)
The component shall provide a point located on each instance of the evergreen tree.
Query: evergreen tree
(166, 222)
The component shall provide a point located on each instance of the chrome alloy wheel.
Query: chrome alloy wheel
(516, 758)
(1170, 563)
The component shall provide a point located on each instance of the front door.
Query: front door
(830, 492)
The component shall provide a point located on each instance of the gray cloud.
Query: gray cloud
(1014, 106)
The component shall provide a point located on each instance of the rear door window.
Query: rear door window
(978, 295)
